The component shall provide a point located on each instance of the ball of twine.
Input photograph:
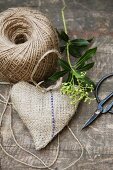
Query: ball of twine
(25, 36)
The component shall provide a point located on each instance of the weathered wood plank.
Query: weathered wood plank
(84, 19)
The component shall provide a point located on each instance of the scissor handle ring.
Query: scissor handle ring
(98, 86)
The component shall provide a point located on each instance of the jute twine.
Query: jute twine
(25, 36)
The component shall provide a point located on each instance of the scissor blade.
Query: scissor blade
(93, 117)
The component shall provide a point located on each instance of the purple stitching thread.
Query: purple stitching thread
(53, 118)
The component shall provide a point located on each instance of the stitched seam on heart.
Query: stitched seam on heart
(53, 118)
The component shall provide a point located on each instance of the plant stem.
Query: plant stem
(65, 30)
(68, 56)
(63, 18)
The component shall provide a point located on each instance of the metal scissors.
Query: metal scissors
(100, 108)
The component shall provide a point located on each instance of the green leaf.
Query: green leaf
(74, 51)
(64, 64)
(77, 74)
(63, 36)
(86, 67)
(88, 81)
(79, 42)
(69, 77)
(90, 40)
(84, 79)
(89, 54)
(57, 75)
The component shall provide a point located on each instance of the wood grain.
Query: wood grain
(84, 19)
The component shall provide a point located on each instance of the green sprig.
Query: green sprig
(77, 85)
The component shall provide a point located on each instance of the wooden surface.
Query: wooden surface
(85, 18)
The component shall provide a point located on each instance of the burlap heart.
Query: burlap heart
(44, 114)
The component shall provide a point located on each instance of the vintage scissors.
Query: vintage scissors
(100, 109)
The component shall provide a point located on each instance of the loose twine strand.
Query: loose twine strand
(6, 102)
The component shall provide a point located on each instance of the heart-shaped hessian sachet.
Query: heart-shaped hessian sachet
(44, 114)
